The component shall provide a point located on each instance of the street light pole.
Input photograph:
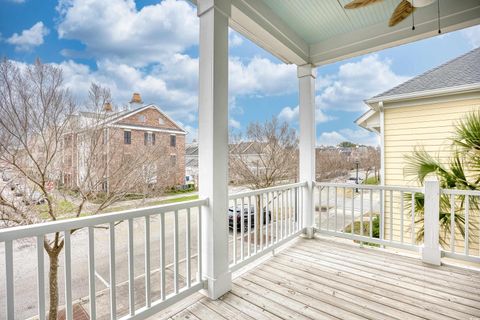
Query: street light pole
(356, 177)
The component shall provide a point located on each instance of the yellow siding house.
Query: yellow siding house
(420, 112)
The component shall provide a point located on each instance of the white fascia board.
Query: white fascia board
(455, 15)
(373, 103)
(257, 22)
(147, 129)
(368, 121)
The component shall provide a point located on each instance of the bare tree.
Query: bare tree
(266, 156)
(40, 127)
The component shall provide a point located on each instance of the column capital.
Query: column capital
(223, 6)
(306, 70)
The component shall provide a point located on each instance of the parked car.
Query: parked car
(246, 211)
(34, 198)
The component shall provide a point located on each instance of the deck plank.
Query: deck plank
(327, 279)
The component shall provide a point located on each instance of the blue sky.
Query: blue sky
(152, 48)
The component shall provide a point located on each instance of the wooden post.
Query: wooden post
(431, 245)
(213, 143)
(306, 79)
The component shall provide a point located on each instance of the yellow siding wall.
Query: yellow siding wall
(430, 126)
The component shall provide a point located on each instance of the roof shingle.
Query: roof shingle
(463, 70)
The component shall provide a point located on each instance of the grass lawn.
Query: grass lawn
(371, 180)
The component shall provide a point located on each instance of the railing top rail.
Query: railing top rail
(370, 186)
(260, 191)
(461, 192)
(90, 221)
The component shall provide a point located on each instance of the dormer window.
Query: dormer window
(142, 118)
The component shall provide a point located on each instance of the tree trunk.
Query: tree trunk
(53, 282)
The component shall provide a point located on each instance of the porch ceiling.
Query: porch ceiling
(319, 32)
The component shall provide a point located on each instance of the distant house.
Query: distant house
(422, 112)
(191, 163)
(124, 132)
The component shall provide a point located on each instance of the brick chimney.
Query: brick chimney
(136, 101)
(107, 107)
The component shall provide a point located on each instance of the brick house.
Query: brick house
(122, 137)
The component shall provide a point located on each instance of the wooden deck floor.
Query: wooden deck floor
(323, 279)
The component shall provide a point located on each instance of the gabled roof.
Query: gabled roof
(149, 106)
(459, 72)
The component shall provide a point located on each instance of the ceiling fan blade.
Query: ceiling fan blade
(359, 3)
(403, 10)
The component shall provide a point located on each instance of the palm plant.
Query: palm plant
(461, 172)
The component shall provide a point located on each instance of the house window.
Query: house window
(142, 118)
(173, 140)
(149, 138)
(173, 160)
(160, 121)
(127, 137)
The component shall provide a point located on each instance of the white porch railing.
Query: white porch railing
(362, 212)
(462, 208)
(171, 288)
(261, 220)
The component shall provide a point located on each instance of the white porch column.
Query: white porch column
(431, 247)
(213, 142)
(306, 77)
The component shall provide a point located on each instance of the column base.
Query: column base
(431, 256)
(309, 232)
(215, 288)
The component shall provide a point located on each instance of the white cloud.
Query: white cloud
(116, 30)
(262, 77)
(234, 123)
(29, 38)
(234, 39)
(472, 35)
(289, 114)
(354, 82)
(359, 136)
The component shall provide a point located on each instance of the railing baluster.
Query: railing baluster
(289, 205)
(336, 209)
(343, 201)
(40, 278)
(148, 298)
(249, 224)
(255, 222)
(267, 220)
(467, 233)
(188, 254)
(131, 274)
(352, 223)
(276, 217)
(282, 214)
(319, 207)
(68, 274)
(413, 218)
(242, 227)
(452, 223)
(391, 215)
(328, 208)
(371, 214)
(91, 272)
(162, 256)
(382, 215)
(262, 219)
(401, 216)
(113, 281)
(199, 245)
(9, 280)
(361, 212)
(234, 231)
(175, 252)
